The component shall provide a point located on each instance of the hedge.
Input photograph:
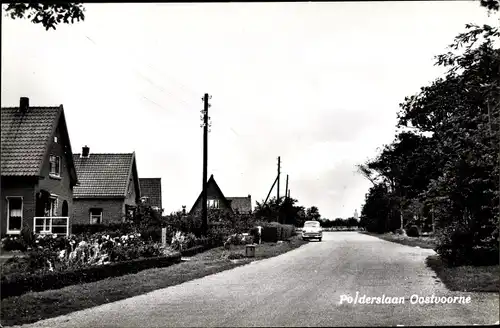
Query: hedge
(272, 232)
(195, 250)
(24, 283)
(90, 229)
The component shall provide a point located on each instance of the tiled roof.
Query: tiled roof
(103, 175)
(241, 204)
(151, 188)
(24, 138)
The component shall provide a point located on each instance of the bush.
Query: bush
(270, 233)
(218, 234)
(254, 232)
(287, 231)
(413, 231)
(459, 245)
(151, 234)
(11, 243)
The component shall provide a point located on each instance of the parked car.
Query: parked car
(312, 230)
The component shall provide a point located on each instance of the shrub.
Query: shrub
(270, 233)
(27, 235)
(254, 232)
(413, 231)
(218, 234)
(287, 231)
(461, 245)
(151, 234)
(12, 243)
(248, 240)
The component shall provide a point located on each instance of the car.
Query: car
(312, 230)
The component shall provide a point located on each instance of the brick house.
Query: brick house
(151, 192)
(109, 187)
(38, 174)
(217, 200)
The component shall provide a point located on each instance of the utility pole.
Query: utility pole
(286, 189)
(275, 180)
(205, 118)
(279, 167)
(278, 219)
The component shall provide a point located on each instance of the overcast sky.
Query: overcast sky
(316, 83)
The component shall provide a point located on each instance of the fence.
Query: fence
(58, 225)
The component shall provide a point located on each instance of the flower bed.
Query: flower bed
(18, 284)
(52, 261)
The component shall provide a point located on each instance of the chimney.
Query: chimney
(85, 151)
(24, 104)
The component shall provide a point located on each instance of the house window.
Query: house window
(64, 208)
(130, 212)
(55, 165)
(51, 206)
(95, 215)
(15, 215)
(213, 203)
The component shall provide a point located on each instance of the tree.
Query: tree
(338, 222)
(491, 5)
(312, 214)
(352, 222)
(49, 15)
(285, 209)
(447, 162)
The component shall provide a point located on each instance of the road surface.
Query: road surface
(301, 288)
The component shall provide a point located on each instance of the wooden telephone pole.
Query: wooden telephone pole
(205, 118)
(286, 189)
(278, 190)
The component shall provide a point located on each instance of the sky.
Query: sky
(318, 84)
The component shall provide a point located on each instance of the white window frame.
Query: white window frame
(58, 173)
(100, 216)
(14, 232)
(213, 203)
(53, 210)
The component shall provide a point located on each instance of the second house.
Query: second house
(108, 187)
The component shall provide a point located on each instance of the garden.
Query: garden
(95, 252)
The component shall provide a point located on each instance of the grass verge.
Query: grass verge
(466, 278)
(422, 242)
(35, 306)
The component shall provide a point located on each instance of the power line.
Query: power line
(159, 87)
(142, 76)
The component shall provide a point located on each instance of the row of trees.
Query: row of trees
(339, 222)
(441, 173)
(285, 210)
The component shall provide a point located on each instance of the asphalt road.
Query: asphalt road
(301, 288)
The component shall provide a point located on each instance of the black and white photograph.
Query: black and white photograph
(250, 164)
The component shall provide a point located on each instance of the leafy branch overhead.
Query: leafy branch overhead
(49, 15)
